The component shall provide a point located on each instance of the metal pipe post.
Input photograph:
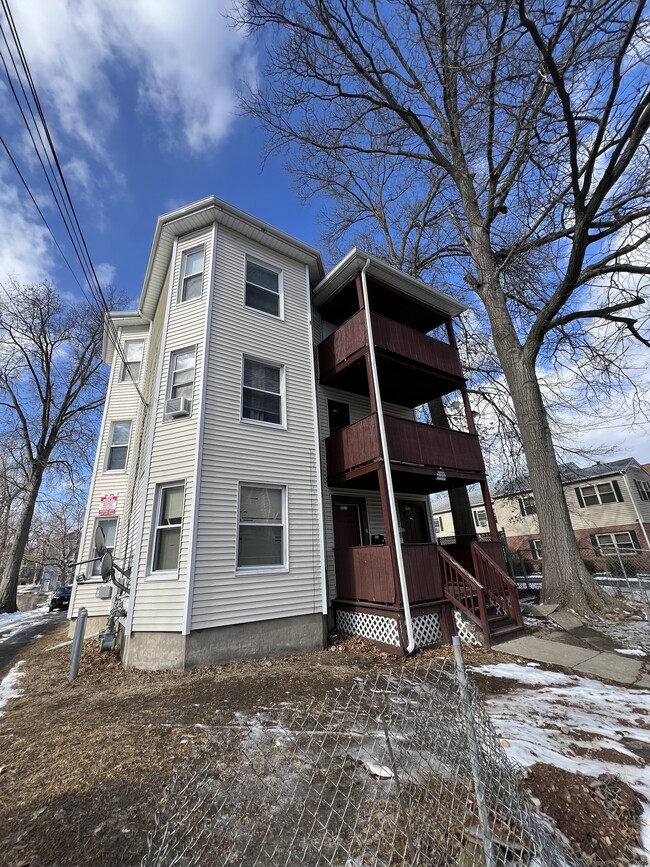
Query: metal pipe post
(77, 643)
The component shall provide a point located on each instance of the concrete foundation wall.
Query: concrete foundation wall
(157, 651)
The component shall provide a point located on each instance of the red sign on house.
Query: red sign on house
(108, 504)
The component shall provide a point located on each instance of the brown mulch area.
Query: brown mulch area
(83, 766)
(599, 816)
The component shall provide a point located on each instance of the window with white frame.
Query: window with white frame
(261, 527)
(118, 446)
(480, 517)
(527, 505)
(181, 373)
(168, 519)
(132, 362)
(600, 494)
(609, 544)
(263, 289)
(109, 527)
(192, 274)
(262, 392)
(536, 549)
(438, 523)
(643, 487)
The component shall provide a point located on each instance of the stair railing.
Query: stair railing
(464, 592)
(500, 589)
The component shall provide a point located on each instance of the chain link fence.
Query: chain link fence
(402, 769)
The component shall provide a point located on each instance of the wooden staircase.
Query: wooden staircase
(488, 598)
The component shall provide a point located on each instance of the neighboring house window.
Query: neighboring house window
(608, 544)
(643, 488)
(192, 274)
(536, 549)
(480, 517)
(167, 527)
(437, 524)
(118, 446)
(263, 289)
(261, 531)
(601, 494)
(109, 526)
(133, 351)
(527, 506)
(181, 373)
(262, 392)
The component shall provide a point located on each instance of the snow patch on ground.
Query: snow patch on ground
(10, 624)
(632, 651)
(8, 683)
(547, 724)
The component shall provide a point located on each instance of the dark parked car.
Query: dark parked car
(60, 598)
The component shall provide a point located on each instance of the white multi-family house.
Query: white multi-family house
(260, 468)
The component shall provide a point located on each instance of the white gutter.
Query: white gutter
(389, 475)
(636, 511)
(317, 447)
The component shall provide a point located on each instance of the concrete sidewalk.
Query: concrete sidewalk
(581, 648)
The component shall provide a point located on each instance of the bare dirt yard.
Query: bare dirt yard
(83, 766)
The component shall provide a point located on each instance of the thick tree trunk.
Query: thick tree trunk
(461, 510)
(16, 553)
(565, 578)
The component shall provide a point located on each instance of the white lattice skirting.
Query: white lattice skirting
(427, 630)
(467, 631)
(372, 626)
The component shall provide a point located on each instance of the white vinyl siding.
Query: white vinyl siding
(237, 454)
(159, 604)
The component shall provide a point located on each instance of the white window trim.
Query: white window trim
(438, 519)
(264, 570)
(276, 270)
(283, 397)
(170, 379)
(109, 447)
(598, 494)
(524, 508)
(614, 544)
(100, 518)
(538, 549)
(124, 378)
(181, 283)
(477, 521)
(167, 574)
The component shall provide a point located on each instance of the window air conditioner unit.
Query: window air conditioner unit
(178, 407)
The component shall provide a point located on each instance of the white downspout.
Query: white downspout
(636, 511)
(389, 476)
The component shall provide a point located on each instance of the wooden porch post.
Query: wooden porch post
(487, 501)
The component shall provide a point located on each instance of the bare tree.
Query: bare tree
(530, 122)
(51, 384)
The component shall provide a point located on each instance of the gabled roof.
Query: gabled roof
(569, 472)
(355, 260)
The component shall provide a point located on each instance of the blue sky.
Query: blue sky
(140, 96)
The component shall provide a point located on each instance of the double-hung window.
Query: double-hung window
(610, 544)
(132, 362)
(643, 488)
(262, 392)
(118, 446)
(480, 517)
(263, 289)
(261, 528)
(527, 506)
(192, 274)
(109, 527)
(600, 494)
(536, 549)
(437, 523)
(168, 519)
(181, 373)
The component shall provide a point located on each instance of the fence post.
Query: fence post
(474, 759)
(77, 643)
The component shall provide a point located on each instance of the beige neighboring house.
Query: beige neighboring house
(443, 520)
(609, 505)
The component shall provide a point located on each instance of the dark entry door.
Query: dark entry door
(413, 521)
(350, 522)
(338, 415)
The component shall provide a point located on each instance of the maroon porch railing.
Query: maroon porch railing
(365, 573)
(422, 567)
(498, 587)
(348, 339)
(391, 336)
(464, 591)
(430, 446)
(354, 446)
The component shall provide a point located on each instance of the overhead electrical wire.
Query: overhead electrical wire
(53, 171)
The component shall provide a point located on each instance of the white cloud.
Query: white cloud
(105, 273)
(25, 252)
(184, 58)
